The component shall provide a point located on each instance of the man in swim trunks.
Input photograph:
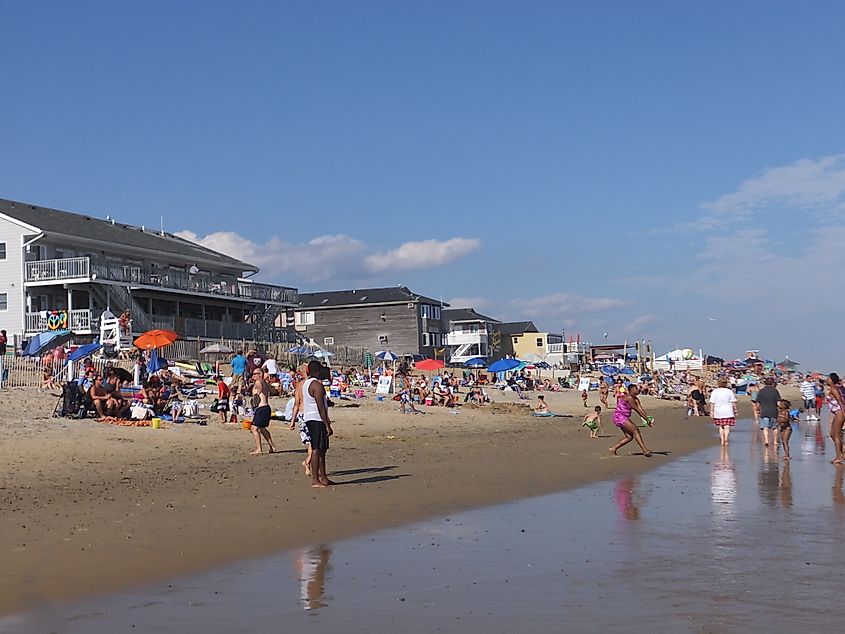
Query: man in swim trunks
(316, 416)
(261, 415)
(767, 399)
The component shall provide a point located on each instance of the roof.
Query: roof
(516, 327)
(65, 223)
(364, 296)
(466, 314)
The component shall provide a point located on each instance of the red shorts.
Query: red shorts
(724, 422)
(819, 402)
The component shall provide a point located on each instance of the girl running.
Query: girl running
(625, 404)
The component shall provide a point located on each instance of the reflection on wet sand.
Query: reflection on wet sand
(723, 485)
(624, 495)
(312, 565)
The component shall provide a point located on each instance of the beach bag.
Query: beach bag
(213, 406)
(139, 412)
(192, 408)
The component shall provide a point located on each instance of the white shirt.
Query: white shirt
(722, 400)
(310, 412)
(808, 390)
(270, 366)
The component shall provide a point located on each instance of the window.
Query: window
(539, 342)
(328, 341)
(425, 312)
(425, 341)
(515, 340)
(303, 318)
(4, 301)
(2, 250)
(435, 312)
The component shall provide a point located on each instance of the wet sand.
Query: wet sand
(89, 508)
(717, 541)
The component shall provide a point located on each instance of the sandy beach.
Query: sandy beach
(90, 507)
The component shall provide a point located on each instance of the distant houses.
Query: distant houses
(393, 318)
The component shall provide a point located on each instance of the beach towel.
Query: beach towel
(550, 415)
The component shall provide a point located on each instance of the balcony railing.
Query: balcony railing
(223, 285)
(187, 327)
(458, 338)
(77, 320)
(61, 269)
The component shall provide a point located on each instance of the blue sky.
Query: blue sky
(653, 170)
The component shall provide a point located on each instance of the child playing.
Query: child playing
(584, 397)
(785, 426)
(222, 399)
(237, 404)
(542, 406)
(592, 421)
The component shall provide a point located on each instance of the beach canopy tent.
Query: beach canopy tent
(83, 351)
(679, 359)
(532, 357)
(503, 365)
(216, 348)
(788, 364)
(46, 341)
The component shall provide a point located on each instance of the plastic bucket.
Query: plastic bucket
(359, 393)
(429, 401)
(155, 423)
(247, 424)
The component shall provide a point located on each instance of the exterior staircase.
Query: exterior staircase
(117, 298)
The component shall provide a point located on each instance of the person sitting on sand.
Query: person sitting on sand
(592, 421)
(622, 419)
(100, 398)
(542, 407)
(48, 383)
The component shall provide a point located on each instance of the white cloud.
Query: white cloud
(421, 255)
(804, 184)
(331, 259)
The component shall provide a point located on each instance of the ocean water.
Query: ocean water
(721, 540)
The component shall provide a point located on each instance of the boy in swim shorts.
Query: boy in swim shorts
(592, 421)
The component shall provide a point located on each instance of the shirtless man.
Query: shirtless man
(261, 415)
(296, 419)
(100, 397)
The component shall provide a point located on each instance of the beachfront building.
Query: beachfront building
(469, 335)
(64, 270)
(394, 318)
(530, 345)
(507, 336)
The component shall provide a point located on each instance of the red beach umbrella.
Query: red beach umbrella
(427, 365)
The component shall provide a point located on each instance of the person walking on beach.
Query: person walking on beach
(625, 404)
(316, 416)
(784, 426)
(836, 405)
(603, 391)
(808, 393)
(261, 415)
(753, 391)
(767, 400)
(723, 410)
(296, 417)
(238, 369)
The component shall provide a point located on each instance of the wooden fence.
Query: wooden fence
(188, 350)
(28, 371)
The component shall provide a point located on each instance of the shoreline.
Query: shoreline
(126, 506)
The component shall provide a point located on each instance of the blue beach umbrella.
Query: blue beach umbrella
(476, 362)
(503, 365)
(609, 370)
(156, 362)
(45, 341)
(83, 351)
(386, 355)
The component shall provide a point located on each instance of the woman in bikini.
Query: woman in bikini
(625, 404)
(603, 391)
(836, 405)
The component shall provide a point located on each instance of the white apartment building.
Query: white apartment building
(469, 334)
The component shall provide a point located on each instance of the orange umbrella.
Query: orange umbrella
(156, 339)
(427, 365)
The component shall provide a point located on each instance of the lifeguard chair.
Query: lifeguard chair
(111, 335)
